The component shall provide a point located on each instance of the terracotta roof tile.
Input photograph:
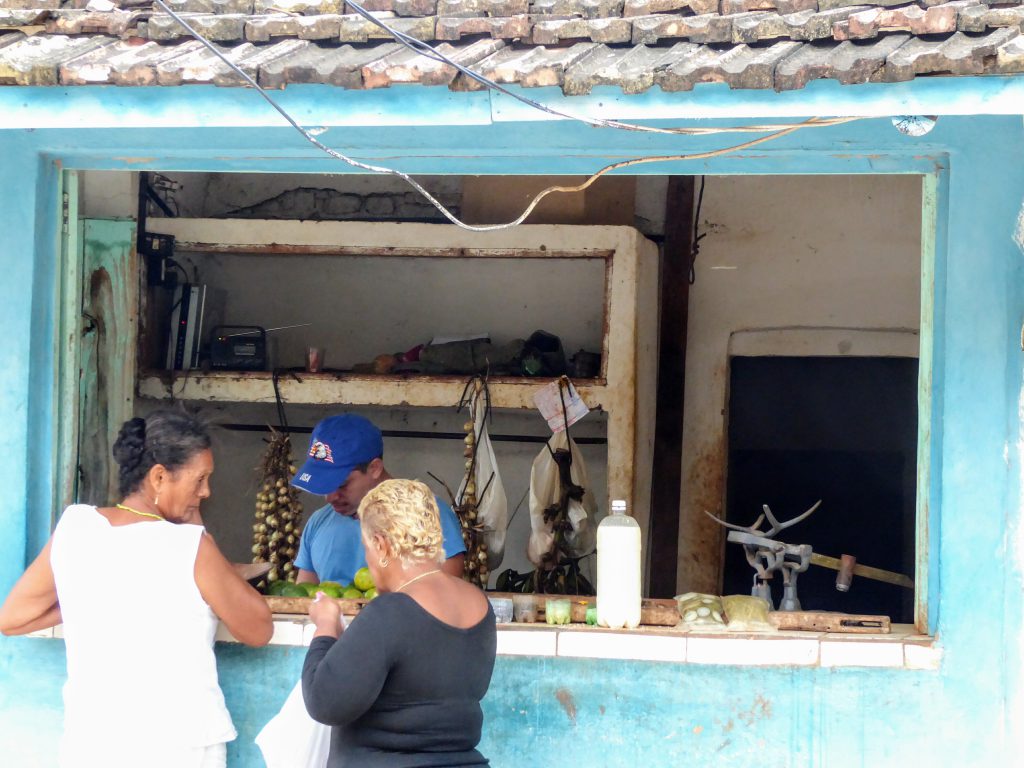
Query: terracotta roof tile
(405, 66)
(532, 67)
(848, 62)
(261, 29)
(587, 9)
(597, 30)
(645, 7)
(959, 54)
(740, 66)
(978, 17)
(573, 44)
(216, 27)
(482, 7)
(36, 60)
(123, 63)
(211, 6)
(341, 66)
(508, 27)
(631, 69)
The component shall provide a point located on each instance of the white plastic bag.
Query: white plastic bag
(293, 739)
(545, 490)
(492, 507)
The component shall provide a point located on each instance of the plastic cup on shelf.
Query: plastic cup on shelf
(503, 609)
(524, 608)
(314, 359)
(557, 611)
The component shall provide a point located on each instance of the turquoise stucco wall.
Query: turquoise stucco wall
(625, 713)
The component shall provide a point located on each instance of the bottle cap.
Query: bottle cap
(618, 506)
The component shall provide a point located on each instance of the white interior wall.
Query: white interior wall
(360, 307)
(790, 266)
(108, 195)
(219, 194)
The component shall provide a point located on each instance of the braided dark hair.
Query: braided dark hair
(166, 437)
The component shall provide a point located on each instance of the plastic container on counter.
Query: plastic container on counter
(502, 607)
(618, 569)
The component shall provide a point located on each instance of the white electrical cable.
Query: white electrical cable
(778, 131)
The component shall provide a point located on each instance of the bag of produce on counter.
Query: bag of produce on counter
(546, 493)
(699, 610)
(747, 613)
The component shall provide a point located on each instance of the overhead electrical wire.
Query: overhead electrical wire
(774, 131)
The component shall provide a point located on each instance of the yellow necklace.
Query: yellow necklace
(416, 578)
(137, 512)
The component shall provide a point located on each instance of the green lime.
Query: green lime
(311, 589)
(330, 589)
(352, 594)
(275, 587)
(294, 590)
(363, 580)
(370, 593)
(332, 584)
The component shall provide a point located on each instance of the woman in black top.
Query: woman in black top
(402, 686)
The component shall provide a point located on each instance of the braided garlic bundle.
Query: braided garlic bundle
(278, 512)
(474, 568)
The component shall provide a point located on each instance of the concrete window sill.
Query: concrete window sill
(903, 648)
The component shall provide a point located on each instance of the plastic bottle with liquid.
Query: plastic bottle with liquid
(618, 569)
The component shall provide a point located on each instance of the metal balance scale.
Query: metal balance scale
(768, 556)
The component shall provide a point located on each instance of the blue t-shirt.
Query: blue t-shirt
(332, 545)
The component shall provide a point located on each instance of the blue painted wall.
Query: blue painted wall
(625, 713)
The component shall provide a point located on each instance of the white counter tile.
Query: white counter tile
(531, 642)
(752, 651)
(872, 652)
(621, 645)
(921, 655)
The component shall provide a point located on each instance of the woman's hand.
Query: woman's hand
(325, 612)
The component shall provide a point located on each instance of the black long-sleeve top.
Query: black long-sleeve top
(401, 687)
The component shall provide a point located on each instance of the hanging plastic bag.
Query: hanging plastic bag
(293, 739)
(546, 491)
(492, 505)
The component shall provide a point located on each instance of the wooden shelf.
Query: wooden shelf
(629, 336)
(352, 389)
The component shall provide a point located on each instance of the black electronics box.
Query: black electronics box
(238, 348)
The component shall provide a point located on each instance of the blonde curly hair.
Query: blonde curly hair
(405, 514)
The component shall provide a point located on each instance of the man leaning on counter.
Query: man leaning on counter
(345, 461)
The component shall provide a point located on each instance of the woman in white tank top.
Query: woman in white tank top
(142, 684)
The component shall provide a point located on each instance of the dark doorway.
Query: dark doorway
(843, 430)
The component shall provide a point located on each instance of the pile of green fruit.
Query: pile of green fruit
(361, 588)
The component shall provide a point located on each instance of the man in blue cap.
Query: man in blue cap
(345, 461)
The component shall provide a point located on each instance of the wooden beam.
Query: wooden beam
(668, 431)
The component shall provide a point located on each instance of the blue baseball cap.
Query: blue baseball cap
(339, 445)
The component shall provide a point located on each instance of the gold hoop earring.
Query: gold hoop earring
(384, 562)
